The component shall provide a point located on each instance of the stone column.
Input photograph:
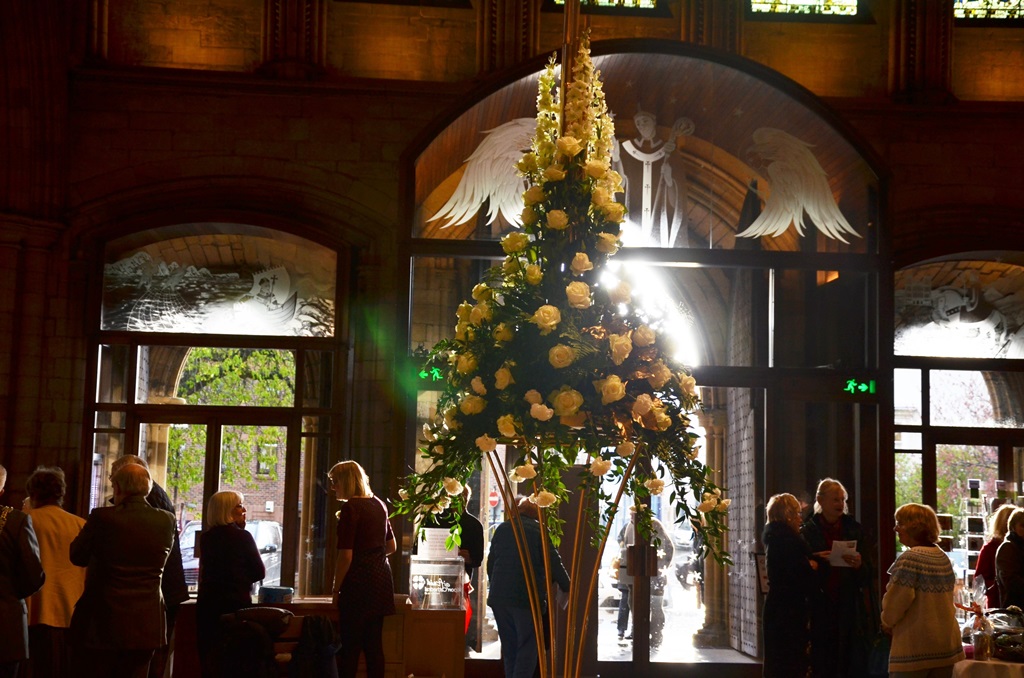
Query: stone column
(714, 633)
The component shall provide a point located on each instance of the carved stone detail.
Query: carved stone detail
(294, 42)
(508, 33)
(713, 23)
(922, 52)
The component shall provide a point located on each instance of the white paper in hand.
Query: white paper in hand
(840, 549)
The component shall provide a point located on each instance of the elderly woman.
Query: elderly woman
(842, 621)
(49, 610)
(790, 584)
(363, 587)
(229, 564)
(986, 568)
(917, 608)
(1010, 562)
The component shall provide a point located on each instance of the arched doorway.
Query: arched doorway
(785, 318)
(219, 361)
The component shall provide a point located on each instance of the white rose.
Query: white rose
(607, 243)
(596, 169)
(581, 263)
(621, 293)
(611, 389)
(541, 412)
(558, 220)
(578, 294)
(481, 312)
(543, 499)
(615, 211)
(507, 425)
(534, 274)
(643, 336)
(472, 404)
(642, 405)
(478, 386)
(655, 486)
(526, 471)
(561, 356)
(515, 242)
(688, 384)
(461, 331)
(625, 449)
(533, 396)
(600, 466)
(621, 345)
(502, 378)
(566, 401)
(486, 443)
(708, 504)
(452, 486)
(546, 318)
(481, 292)
(462, 312)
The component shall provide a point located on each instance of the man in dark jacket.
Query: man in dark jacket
(21, 575)
(120, 621)
(173, 584)
(507, 593)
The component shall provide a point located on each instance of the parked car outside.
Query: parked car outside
(267, 534)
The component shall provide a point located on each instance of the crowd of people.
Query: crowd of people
(821, 616)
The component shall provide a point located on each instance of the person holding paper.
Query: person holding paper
(842, 624)
(790, 586)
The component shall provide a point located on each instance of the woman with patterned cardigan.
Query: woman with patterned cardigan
(917, 608)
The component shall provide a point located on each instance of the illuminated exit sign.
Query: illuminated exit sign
(433, 374)
(859, 387)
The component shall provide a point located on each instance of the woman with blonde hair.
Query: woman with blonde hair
(364, 590)
(229, 564)
(844, 608)
(1010, 562)
(986, 568)
(917, 608)
(790, 583)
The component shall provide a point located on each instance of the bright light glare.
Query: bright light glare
(657, 304)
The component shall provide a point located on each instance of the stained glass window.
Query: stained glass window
(988, 9)
(821, 7)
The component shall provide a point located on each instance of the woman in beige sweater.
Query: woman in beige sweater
(917, 608)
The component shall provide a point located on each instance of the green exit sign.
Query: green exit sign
(433, 374)
(859, 387)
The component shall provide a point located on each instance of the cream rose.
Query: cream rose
(527, 163)
(600, 466)
(481, 313)
(503, 332)
(607, 243)
(529, 216)
(533, 195)
(541, 412)
(546, 318)
(478, 386)
(543, 499)
(403, 494)
(625, 449)
(600, 196)
(611, 389)
(554, 173)
(569, 146)
(534, 274)
(461, 331)
(515, 242)
(660, 374)
(472, 404)
(723, 505)
(655, 486)
(561, 356)
(567, 401)
(463, 311)
(642, 405)
(557, 220)
(596, 169)
(622, 293)
(486, 443)
(578, 294)
(507, 425)
(481, 292)
(526, 471)
(466, 363)
(449, 419)
(621, 345)
(688, 384)
(615, 211)
(452, 486)
(643, 336)
(502, 378)
(581, 263)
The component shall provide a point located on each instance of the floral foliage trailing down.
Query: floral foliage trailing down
(553, 358)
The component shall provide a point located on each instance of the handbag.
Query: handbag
(878, 656)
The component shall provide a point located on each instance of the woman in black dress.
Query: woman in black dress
(229, 563)
(363, 588)
(790, 583)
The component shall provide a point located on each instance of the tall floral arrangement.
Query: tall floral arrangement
(552, 359)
